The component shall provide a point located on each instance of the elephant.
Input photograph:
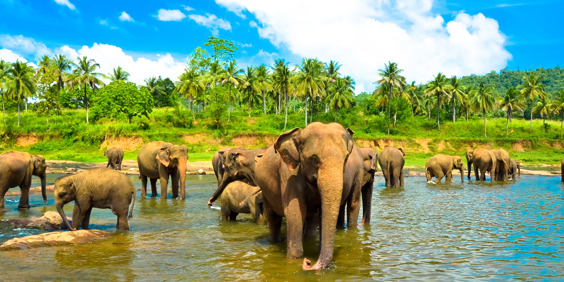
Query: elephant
(161, 160)
(217, 164)
(503, 164)
(234, 201)
(352, 185)
(115, 157)
(370, 166)
(238, 164)
(483, 160)
(440, 165)
(16, 169)
(514, 169)
(391, 162)
(102, 188)
(301, 176)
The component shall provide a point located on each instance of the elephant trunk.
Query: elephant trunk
(44, 187)
(462, 174)
(470, 170)
(182, 171)
(63, 216)
(224, 181)
(330, 186)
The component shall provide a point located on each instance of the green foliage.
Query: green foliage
(122, 98)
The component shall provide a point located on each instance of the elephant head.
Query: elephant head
(39, 169)
(175, 157)
(402, 152)
(457, 163)
(469, 161)
(65, 192)
(320, 152)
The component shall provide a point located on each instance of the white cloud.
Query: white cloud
(107, 23)
(66, 3)
(10, 57)
(170, 15)
(24, 45)
(125, 17)
(188, 8)
(212, 22)
(363, 35)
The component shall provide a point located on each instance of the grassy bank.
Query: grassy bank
(68, 137)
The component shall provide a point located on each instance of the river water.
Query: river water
(425, 231)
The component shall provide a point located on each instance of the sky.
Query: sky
(424, 37)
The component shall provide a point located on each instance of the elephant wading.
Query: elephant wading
(484, 161)
(161, 160)
(101, 188)
(302, 176)
(370, 166)
(115, 157)
(240, 197)
(391, 162)
(441, 165)
(16, 169)
(352, 184)
(217, 164)
(503, 164)
(514, 169)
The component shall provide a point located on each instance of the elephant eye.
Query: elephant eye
(315, 160)
(62, 194)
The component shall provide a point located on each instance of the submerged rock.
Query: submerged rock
(54, 239)
(51, 220)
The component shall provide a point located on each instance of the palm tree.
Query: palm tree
(231, 76)
(43, 64)
(309, 81)
(381, 95)
(331, 72)
(85, 75)
(281, 82)
(342, 94)
(511, 102)
(190, 86)
(264, 82)
(466, 105)
(251, 87)
(62, 65)
(118, 75)
(438, 88)
(558, 107)
(456, 94)
(20, 82)
(483, 101)
(543, 108)
(532, 88)
(4, 66)
(390, 75)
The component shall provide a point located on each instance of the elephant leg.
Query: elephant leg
(367, 202)
(386, 174)
(109, 163)
(78, 215)
(233, 216)
(24, 198)
(448, 176)
(143, 186)
(295, 213)
(225, 212)
(153, 187)
(122, 222)
(353, 209)
(86, 220)
(483, 175)
(401, 177)
(476, 174)
(163, 176)
(119, 166)
(341, 218)
(175, 178)
(2, 194)
(274, 222)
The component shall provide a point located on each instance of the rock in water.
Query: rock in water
(54, 239)
(51, 220)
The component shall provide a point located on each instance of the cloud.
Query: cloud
(9, 56)
(212, 22)
(170, 15)
(107, 23)
(363, 35)
(124, 17)
(66, 3)
(187, 8)
(24, 45)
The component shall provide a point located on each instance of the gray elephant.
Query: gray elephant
(441, 165)
(391, 162)
(514, 169)
(115, 157)
(352, 185)
(240, 197)
(101, 188)
(370, 166)
(484, 161)
(301, 177)
(161, 160)
(503, 164)
(217, 164)
(16, 169)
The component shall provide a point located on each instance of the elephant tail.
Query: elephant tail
(132, 205)
(428, 173)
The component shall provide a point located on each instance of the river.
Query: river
(425, 231)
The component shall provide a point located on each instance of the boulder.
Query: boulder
(51, 220)
(54, 239)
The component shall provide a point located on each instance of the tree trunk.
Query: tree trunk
(438, 113)
(507, 127)
(306, 112)
(3, 108)
(263, 103)
(466, 114)
(453, 110)
(86, 103)
(485, 129)
(395, 116)
(389, 106)
(286, 118)
(531, 126)
(18, 113)
(279, 103)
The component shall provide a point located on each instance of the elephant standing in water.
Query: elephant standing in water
(352, 185)
(217, 164)
(161, 160)
(101, 188)
(441, 165)
(301, 176)
(16, 169)
(514, 169)
(115, 157)
(483, 160)
(503, 164)
(370, 159)
(391, 162)
(240, 197)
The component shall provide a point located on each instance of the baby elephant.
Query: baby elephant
(240, 197)
(115, 157)
(101, 188)
(441, 165)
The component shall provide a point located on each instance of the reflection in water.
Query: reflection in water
(454, 231)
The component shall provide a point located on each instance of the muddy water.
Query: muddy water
(442, 232)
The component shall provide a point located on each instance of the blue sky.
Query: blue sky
(151, 38)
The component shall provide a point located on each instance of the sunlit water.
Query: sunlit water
(425, 231)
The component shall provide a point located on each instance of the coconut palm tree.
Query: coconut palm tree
(438, 88)
(511, 102)
(20, 82)
(85, 75)
(532, 88)
(390, 75)
(342, 94)
(231, 76)
(456, 93)
(62, 65)
(191, 87)
(118, 74)
(482, 100)
(44, 64)
(4, 66)
(264, 81)
(251, 87)
(281, 78)
(558, 107)
(309, 81)
(543, 108)
(331, 72)
(381, 96)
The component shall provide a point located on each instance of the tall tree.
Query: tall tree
(457, 94)
(281, 82)
(62, 65)
(191, 87)
(251, 87)
(122, 98)
(4, 67)
(390, 75)
(85, 76)
(342, 94)
(438, 88)
(542, 107)
(511, 102)
(482, 100)
(20, 82)
(532, 88)
(558, 107)
(331, 74)
(119, 74)
(264, 81)
(231, 76)
(309, 81)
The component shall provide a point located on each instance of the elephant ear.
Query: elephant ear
(38, 162)
(287, 145)
(469, 155)
(374, 159)
(402, 152)
(163, 156)
(350, 141)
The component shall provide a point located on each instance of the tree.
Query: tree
(223, 50)
(456, 95)
(85, 76)
(191, 87)
(264, 82)
(511, 102)
(20, 82)
(390, 75)
(118, 75)
(532, 88)
(309, 81)
(281, 82)
(250, 88)
(62, 65)
(4, 67)
(47, 93)
(558, 107)
(49, 103)
(543, 108)
(331, 74)
(231, 76)
(342, 94)
(438, 88)
(482, 101)
(122, 98)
